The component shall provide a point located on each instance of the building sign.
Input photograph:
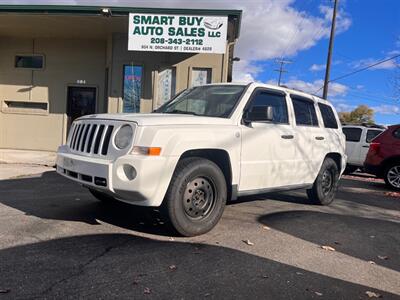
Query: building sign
(132, 88)
(177, 33)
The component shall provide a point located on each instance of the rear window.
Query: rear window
(352, 134)
(328, 116)
(304, 111)
(371, 134)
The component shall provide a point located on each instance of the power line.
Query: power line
(360, 70)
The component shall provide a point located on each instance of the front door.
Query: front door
(268, 147)
(80, 101)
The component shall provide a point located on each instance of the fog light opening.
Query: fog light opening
(126, 172)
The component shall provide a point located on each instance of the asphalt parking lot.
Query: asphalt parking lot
(57, 241)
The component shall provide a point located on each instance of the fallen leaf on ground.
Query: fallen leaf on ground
(372, 236)
(373, 295)
(371, 262)
(146, 291)
(266, 227)
(299, 273)
(172, 267)
(4, 291)
(135, 282)
(207, 294)
(318, 293)
(247, 242)
(392, 194)
(383, 257)
(265, 276)
(329, 248)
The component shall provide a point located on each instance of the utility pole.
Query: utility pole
(282, 62)
(329, 59)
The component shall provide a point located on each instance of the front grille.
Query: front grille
(93, 137)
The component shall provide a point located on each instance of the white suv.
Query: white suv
(208, 145)
(358, 138)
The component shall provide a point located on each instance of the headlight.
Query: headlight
(123, 137)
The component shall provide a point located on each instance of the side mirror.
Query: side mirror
(259, 114)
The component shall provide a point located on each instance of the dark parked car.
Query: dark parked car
(383, 158)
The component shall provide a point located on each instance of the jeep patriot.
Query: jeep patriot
(209, 145)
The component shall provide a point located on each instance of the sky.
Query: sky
(367, 31)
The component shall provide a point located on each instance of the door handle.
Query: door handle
(287, 136)
(365, 146)
(319, 138)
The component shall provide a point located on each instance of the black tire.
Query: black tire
(325, 186)
(391, 175)
(103, 197)
(196, 196)
(350, 169)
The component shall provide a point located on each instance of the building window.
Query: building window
(201, 76)
(29, 61)
(166, 86)
(132, 88)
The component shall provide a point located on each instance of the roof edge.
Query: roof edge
(115, 9)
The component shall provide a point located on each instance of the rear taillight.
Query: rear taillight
(375, 147)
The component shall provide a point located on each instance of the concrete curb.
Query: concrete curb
(27, 157)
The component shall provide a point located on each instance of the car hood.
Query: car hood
(161, 119)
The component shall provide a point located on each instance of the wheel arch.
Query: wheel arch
(337, 158)
(388, 161)
(218, 156)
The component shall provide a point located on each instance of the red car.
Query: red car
(383, 158)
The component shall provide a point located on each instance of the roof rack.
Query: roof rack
(366, 125)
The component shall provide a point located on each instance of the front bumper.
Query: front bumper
(145, 185)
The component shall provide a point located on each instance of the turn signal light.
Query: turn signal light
(150, 151)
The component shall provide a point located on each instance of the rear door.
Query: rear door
(353, 142)
(310, 138)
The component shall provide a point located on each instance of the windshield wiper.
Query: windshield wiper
(177, 111)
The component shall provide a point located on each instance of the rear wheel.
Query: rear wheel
(325, 186)
(103, 197)
(196, 196)
(392, 175)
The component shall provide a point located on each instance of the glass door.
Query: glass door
(132, 88)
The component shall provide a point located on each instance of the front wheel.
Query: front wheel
(196, 196)
(392, 175)
(325, 186)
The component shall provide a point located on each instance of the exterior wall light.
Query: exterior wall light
(106, 12)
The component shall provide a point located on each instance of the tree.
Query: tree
(361, 114)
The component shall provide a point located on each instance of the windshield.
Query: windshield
(208, 100)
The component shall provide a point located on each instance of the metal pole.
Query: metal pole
(329, 59)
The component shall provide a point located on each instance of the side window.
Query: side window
(352, 134)
(304, 111)
(396, 133)
(277, 101)
(328, 116)
(371, 134)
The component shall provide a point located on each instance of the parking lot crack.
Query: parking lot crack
(81, 268)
